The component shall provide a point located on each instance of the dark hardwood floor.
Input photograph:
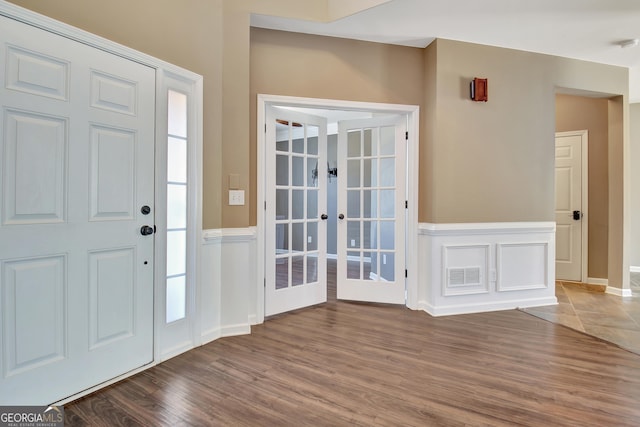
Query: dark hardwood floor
(345, 363)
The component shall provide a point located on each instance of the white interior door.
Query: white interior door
(296, 198)
(371, 209)
(77, 165)
(569, 208)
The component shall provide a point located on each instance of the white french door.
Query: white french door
(371, 209)
(295, 221)
(77, 191)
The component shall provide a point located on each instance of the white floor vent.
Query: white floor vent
(463, 276)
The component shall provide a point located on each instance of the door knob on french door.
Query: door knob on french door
(341, 216)
(324, 216)
(577, 215)
(145, 230)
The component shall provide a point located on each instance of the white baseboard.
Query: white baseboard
(597, 281)
(618, 292)
(484, 307)
(234, 330)
(210, 335)
(634, 269)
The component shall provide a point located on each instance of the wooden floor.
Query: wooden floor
(344, 363)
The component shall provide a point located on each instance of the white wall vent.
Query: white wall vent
(463, 276)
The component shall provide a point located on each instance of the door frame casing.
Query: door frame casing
(413, 118)
(584, 174)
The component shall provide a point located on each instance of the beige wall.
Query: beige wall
(580, 113)
(302, 65)
(480, 162)
(494, 161)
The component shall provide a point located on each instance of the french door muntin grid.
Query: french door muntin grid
(297, 216)
(371, 204)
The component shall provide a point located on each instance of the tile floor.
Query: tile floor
(608, 317)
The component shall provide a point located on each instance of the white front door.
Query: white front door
(77, 166)
(569, 215)
(296, 198)
(371, 209)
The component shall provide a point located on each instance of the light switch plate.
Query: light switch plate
(236, 197)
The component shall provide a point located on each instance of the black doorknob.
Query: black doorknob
(341, 216)
(324, 216)
(145, 230)
(577, 215)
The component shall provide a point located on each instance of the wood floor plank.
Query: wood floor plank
(344, 363)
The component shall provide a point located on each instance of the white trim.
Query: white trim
(413, 114)
(219, 235)
(164, 346)
(454, 309)
(619, 292)
(516, 271)
(234, 330)
(484, 228)
(634, 269)
(596, 281)
(104, 384)
(584, 173)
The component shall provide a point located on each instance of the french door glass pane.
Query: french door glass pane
(353, 204)
(282, 273)
(370, 235)
(312, 236)
(369, 264)
(387, 172)
(387, 266)
(297, 234)
(387, 235)
(282, 204)
(370, 176)
(370, 203)
(387, 203)
(312, 141)
(312, 268)
(353, 265)
(312, 204)
(282, 238)
(387, 141)
(353, 234)
(282, 170)
(297, 270)
(353, 173)
(297, 204)
(354, 144)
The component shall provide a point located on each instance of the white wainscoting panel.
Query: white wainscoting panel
(468, 268)
(228, 274)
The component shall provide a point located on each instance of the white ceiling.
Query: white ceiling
(582, 29)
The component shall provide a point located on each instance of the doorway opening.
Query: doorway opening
(347, 198)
